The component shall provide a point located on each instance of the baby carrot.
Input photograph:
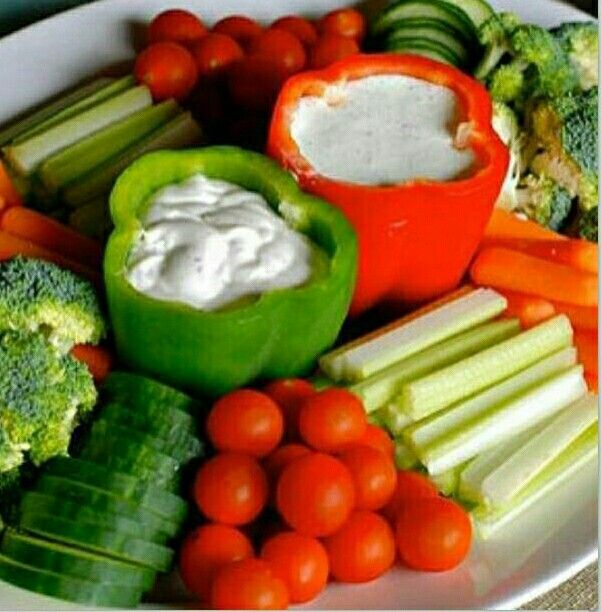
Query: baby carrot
(586, 343)
(505, 269)
(8, 191)
(529, 309)
(50, 234)
(504, 224)
(98, 359)
(581, 317)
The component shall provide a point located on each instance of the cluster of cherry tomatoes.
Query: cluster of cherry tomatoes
(331, 504)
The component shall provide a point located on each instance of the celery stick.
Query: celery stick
(49, 109)
(583, 451)
(378, 389)
(87, 154)
(504, 421)
(432, 393)
(92, 219)
(519, 469)
(360, 359)
(404, 457)
(180, 132)
(427, 430)
(394, 419)
(447, 482)
(26, 156)
(109, 90)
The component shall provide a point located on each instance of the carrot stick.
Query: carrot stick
(11, 246)
(529, 309)
(586, 343)
(504, 224)
(50, 234)
(505, 269)
(581, 317)
(592, 382)
(8, 191)
(98, 359)
(580, 254)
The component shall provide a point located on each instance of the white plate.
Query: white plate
(546, 546)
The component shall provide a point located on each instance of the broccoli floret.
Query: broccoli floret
(43, 395)
(507, 83)
(36, 295)
(544, 201)
(580, 41)
(494, 35)
(588, 225)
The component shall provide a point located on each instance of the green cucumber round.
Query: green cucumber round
(477, 10)
(73, 562)
(97, 539)
(75, 590)
(425, 48)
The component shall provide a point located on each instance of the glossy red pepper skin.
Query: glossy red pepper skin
(416, 238)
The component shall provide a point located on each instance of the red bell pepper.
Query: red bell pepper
(415, 238)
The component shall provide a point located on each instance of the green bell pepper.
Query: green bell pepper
(278, 334)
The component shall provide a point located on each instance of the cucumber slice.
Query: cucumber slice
(96, 500)
(477, 10)
(435, 36)
(73, 562)
(180, 132)
(93, 219)
(434, 392)
(75, 590)
(425, 49)
(162, 503)
(88, 153)
(438, 10)
(49, 109)
(26, 156)
(90, 536)
(432, 24)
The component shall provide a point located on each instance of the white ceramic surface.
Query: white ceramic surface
(546, 546)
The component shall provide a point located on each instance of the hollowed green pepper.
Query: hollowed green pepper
(278, 334)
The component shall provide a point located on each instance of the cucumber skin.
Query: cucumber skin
(68, 589)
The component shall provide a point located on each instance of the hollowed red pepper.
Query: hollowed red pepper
(416, 238)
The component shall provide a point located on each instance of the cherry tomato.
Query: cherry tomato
(245, 421)
(281, 46)
(344, 22)
(433, 533)
(377, 438)
(240, 28)
(362, 549)
(289, 394)
(332, 419)
(315, 494)
(231, 488)
(255, 82)
(374, 476)
(275, 463)
(300, 561)
(176, 25)
(168, 70)
(215, 53)
(205, 550)
(409, 485)
(303, 29)
(330, 48)
(209, 103)
(249, 584)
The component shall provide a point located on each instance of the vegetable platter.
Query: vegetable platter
(320, 353)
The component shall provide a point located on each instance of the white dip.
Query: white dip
(381, 130)
(207, 243)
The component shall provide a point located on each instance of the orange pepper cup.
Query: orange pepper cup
(416, 238)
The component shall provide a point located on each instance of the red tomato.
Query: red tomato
(205, 550)
(255, 82)
(362, 549)
(330, 48)
(275, 463)
(332, 419)
(245, 421)
(231, 488)
(177, 26)
(433, 534)
(214, 53)
(374, 476)
(303, 29)
(250, 584)
(280, 46)
(168, 70)
(300, 561)
(240, 28)
(315, 494)
(409, 485)
(344, 22)
(377, 438)
(209, 103)
(289, 394)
